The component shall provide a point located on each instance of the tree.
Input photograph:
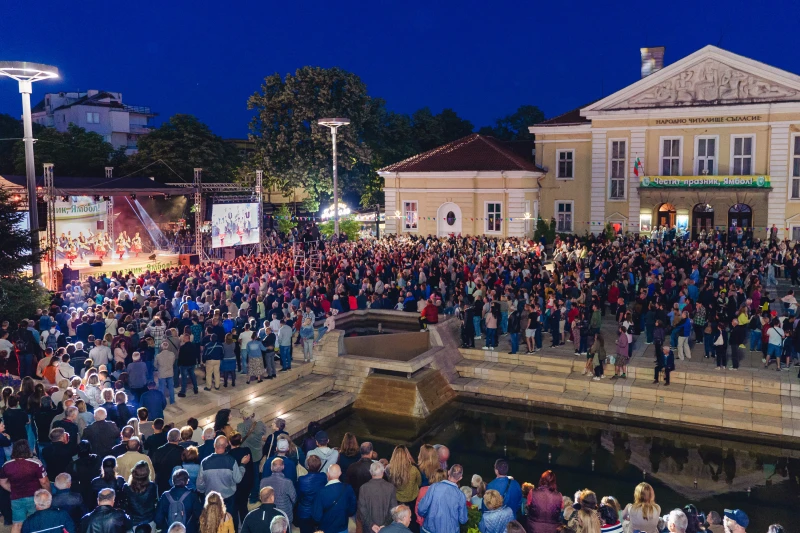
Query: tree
(347, 225)
(75, 152)
(10, 129)
(182, 144)
(284, 219)
(292, 148)
(514, 127)
(431, 131)
(20, 295)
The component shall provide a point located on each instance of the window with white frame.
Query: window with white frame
(565, 167)
(564, 216)
(617, 170)
(494, 217)
(706, 158)
(795, 167)
(742, 155)
(411, 215)
(671, 156)
(93, 118)
(796, 233)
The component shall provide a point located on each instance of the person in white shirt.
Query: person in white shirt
(791, 303)
(100, 354)
(5, 344)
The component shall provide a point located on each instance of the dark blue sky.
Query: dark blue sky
(482, 58)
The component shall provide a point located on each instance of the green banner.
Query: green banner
(700, 182)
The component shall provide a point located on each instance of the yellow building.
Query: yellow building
(472, 186)
(710, 141)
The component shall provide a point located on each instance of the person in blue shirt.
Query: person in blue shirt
(154, 400)
(444, 506)
(508, 487)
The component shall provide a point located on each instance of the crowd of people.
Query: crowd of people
(109, 354)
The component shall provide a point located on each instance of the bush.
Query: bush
(284, 220)
(347, 225)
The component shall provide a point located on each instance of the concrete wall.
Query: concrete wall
(394, 346)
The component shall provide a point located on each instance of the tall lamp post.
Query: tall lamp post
(26, 74)
(333, 124)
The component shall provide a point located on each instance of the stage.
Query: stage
(136, 265)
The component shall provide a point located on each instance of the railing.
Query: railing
(138, 128)
(137, 109)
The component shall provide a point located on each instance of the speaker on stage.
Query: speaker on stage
(95, 262)
(189, 259)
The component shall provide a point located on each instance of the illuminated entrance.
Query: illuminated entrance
(666, 216)
(740, 216)
(702, 219)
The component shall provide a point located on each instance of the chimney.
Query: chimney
(652, 60)
(109, 171)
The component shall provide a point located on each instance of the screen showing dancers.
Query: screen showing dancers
(233, 224)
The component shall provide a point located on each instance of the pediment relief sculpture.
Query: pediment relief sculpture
(710, 82)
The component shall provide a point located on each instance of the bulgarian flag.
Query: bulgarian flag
(636, 165)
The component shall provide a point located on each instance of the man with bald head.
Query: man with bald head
(219, 472)
(335, 503)
(285, 493)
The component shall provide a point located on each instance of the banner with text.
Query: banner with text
(698, 182)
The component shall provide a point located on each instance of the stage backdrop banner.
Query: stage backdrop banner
(80, 214)
(233, 224)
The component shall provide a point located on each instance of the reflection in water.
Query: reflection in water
(611, 459)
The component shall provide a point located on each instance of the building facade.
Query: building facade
(476, 185)
(102, 112)
(711, 141)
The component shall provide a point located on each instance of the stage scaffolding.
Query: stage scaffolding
(232, 191)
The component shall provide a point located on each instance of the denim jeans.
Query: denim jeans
(167, 387)
(755, 340)
(150, 369)
(537, 338)
(476, 322)
(491, 337)
(584, 346)
(243, 358)
(673, 338)
(286, 361)
(514, 342)
(648, 330)
(187, 373)
(708, 344)
(320, 332)
(504, 322)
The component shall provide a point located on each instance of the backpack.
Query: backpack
(176, 511)
(52, 340)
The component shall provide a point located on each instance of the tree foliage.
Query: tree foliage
(182, 144)
(514, 127)
(295, 151)
(10, 129)
(20, 296)
(347, 225)
(75, 152)
(284, 220)
(292, 148)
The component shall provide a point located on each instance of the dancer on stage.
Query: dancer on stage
(72, 252)
(122, 244)
(101, 246)
(136, 244)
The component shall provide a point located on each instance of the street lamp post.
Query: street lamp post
(26, 74)
(333, 124)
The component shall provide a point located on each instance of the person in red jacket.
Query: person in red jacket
(613, 295)
(429, 315)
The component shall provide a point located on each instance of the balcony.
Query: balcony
(140, 129)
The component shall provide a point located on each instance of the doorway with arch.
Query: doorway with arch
(740, 216)
(666, 216)
(702, 219)
(448, 219)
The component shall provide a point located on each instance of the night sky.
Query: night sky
(481, 58)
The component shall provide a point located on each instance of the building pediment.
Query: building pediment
(708, 77)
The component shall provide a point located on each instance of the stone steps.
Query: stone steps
(205, 404)
(318, 409)
(285, 398)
